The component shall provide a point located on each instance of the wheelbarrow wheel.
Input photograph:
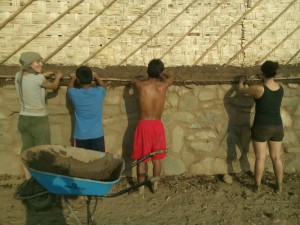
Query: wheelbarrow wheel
(34, 196)
(40, 203)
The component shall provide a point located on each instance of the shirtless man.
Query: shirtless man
(149, 134)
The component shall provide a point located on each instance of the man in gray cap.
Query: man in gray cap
(33, 118)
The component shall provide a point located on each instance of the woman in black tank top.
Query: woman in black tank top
(267, 129)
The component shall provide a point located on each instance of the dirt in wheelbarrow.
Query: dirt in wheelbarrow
(179, 200)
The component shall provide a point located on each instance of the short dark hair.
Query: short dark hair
(269, 68)
(155, 68)
(84, 75)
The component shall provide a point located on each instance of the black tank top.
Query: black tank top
(267, 108)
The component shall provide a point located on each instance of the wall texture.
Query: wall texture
(207, 128)
(181, 32)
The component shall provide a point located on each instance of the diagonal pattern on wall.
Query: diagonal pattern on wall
(116, 32)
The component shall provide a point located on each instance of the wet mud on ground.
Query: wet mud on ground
(180, 200)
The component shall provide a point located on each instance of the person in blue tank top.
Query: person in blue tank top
(267, 130)
(88, 107)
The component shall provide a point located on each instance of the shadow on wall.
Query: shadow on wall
(54, 94)
(70, 108)
(132, 112)
(69, 105)
(238, 108)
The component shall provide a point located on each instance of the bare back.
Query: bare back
(152, 96)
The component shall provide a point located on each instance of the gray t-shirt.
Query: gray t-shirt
(31, 94)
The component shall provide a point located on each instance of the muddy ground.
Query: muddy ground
(180, 200)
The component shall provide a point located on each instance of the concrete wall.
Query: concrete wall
(207, 128)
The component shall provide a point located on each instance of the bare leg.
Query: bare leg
(156, 168)
(142, 170)
(260, 157)
(156, 174)
(275, 154)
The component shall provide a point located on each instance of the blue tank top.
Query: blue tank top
(267, 108)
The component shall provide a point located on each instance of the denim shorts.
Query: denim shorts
(267, 133)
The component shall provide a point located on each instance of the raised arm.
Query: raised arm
(169, 77)
(72, 80)
(99, 80)
(255, 90)
(53, 85)
(137, 80)
(48, 74)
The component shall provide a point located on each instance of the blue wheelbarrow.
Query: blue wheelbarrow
(66, 170)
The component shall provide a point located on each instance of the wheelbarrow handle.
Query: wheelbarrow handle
(130, 188)
(147, 156)
(137, 185)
